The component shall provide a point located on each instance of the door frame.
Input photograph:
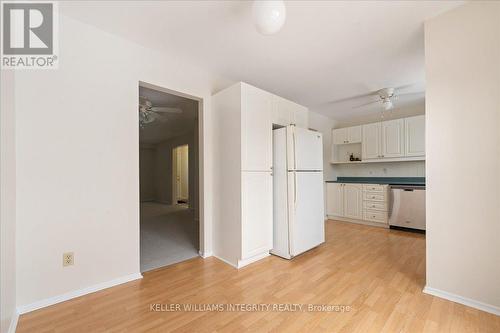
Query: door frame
(204, 236)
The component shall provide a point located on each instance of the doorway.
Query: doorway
(169, 178)
(180, 167)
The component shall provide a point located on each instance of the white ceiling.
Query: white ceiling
(327, 50)
(171, 124)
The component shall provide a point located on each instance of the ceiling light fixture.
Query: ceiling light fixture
(269, 16)
(387, 104)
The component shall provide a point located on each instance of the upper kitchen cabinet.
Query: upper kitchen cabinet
(300, 116)
(415, 136)
(256, 129)
(281, 114)
(393, 144)
(383, 140)
(371, 145)
(285, 112)
(386, 141)
(339, 136)
(354, 134)
(347, 135)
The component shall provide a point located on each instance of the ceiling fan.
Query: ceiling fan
(149, 113)
(386, 96)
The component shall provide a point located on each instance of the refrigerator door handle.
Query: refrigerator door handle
(295, 188)
(294, 152)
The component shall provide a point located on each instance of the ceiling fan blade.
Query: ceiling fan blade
(164, 109)
(143, 101)
(351, 98)
(365, 104)
(412, 93)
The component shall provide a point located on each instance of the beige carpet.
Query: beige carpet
(169, 235)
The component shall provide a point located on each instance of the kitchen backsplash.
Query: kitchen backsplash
(389, 169)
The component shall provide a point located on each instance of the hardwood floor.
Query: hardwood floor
(380, 273)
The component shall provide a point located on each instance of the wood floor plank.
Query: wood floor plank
(378, 273)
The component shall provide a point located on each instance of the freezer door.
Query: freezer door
(306, 211)
(305, 149)
(280, 199)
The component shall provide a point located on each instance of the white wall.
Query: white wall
(463, 152)
(77, 159)
(7, 201)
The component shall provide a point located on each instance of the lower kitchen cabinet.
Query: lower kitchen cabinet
(257, 213)
(335, 199)
(353, 201)
(359, 203)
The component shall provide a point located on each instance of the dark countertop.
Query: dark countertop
(381, 180)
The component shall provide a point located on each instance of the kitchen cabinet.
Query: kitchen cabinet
(371, 145)
(300, 116)
(353, 201)
(354, 134)
(347, 135)
(256, 132)
(281, 112)
(339, 136)
(335, 199)
(393, 144)
(257, 213)
(285, 112)
(242, 118)
(358, 203)
(375, 203)
(387, 140)
(415, 136)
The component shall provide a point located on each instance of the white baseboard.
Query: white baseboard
(226, 261)
(76, 293)
(242, 263)
(13, 322)
(205, 254)
(462, 300)
(248, 261)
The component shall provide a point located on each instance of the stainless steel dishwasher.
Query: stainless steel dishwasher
(407, 206)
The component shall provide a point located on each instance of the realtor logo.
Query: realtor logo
(28, 35)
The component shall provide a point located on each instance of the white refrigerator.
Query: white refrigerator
(298, 205)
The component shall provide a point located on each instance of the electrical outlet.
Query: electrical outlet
(68, 259)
